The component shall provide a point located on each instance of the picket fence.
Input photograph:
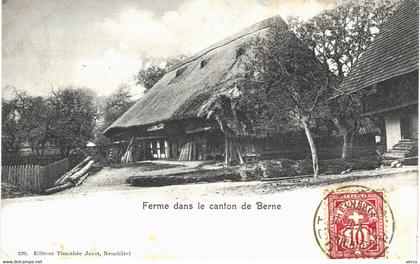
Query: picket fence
(34, 178)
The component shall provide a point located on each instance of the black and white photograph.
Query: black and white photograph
(209, 131)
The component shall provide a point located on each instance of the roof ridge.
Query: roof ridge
(266, 23)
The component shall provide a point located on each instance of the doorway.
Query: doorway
(409, 126)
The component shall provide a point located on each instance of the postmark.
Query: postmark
(354, 222)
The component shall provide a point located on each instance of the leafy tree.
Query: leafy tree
(40, 120)
(66, 119)
(153, 70)
(25, 119)
(75, 115)
(113, 107)
(338, 37)
(117, 103)
(285, 86)
(12, 135)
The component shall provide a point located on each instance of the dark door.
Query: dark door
(409, 123)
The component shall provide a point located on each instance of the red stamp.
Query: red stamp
(356, 225)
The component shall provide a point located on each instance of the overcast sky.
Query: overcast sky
(100, 43)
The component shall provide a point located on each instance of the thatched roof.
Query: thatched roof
(187, 88)
(394, 52)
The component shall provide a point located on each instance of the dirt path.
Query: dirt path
(111, 178)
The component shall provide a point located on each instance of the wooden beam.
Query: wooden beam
(387, 109)
(144, 149)
(197, 130)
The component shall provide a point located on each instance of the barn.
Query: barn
(174, 120)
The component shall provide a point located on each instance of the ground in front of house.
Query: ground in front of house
(116, 220)
(115, 178)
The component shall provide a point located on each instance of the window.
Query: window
(159, 148)
(153, 150)
(180, 71)
(203, 63)
(240, 51)
(177, 74)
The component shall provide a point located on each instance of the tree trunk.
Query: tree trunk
(75, 177)
(241, 160)
(347, 146)
(312, 146)
(348, 132)
(59, 188)
(76, 168)
(226, 149)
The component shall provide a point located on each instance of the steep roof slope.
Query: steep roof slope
(186, 88)
(394, 52)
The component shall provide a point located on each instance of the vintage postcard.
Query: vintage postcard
(209, 131)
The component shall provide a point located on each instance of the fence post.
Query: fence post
(24, 177)
(36, 178)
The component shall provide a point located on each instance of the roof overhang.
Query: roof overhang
(388, 109)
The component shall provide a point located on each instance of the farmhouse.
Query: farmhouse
(387, 75)
(175, 118)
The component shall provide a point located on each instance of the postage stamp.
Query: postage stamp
(354, 222)
(356, 225)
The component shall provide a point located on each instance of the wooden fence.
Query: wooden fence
(34, 178)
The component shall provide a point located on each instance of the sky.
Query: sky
(101, 44)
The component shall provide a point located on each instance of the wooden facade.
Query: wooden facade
(393, 94)
(396, 102)
(192, 139)
(387, 75)
(204, 146)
